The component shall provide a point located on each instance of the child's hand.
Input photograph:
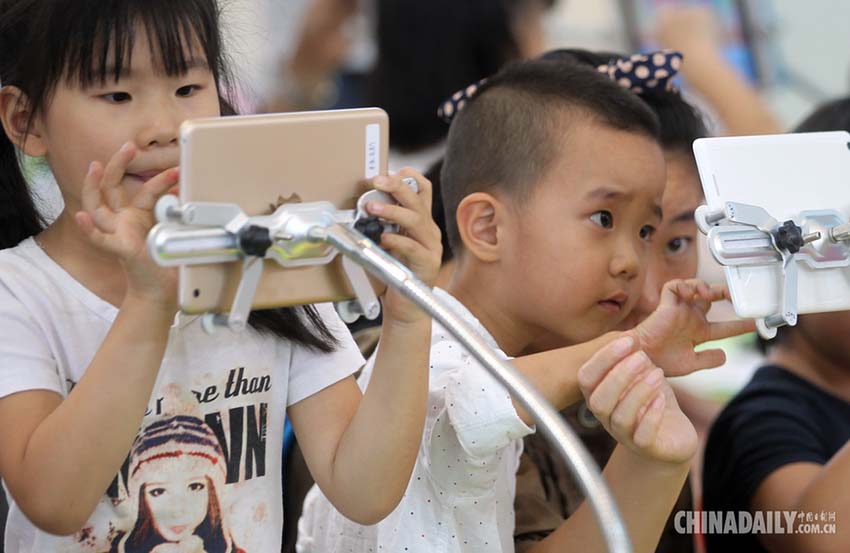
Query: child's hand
(418, 244)
(688, 29)
(671, 332)
(120, 226)
(629, 395)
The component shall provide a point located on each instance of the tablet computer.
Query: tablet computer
(260, 162)
(785, 175)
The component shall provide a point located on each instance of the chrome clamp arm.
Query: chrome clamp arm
(747, 235)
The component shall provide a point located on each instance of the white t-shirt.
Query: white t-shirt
(461, 494)
(206, 465)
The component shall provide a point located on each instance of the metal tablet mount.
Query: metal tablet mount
(313, 234)
(741, 235)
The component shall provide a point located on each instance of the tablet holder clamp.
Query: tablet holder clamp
(743, 235)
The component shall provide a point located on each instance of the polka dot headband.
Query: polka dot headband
(638, 73)
(457, 102)
(643, 72)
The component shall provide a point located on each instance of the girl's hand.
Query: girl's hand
(630, 397)
(679, 324)
(120, 226)
(418, 244)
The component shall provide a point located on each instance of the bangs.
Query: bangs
(99, 45)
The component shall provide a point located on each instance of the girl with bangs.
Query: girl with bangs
(91, 345)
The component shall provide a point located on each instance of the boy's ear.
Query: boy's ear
(480, 222)
(15, 114)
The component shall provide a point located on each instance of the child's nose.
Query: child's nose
(626, 260)
(160, 129)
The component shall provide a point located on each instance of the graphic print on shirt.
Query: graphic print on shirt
(177, 476)
(172, 488)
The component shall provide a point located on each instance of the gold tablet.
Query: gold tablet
(262, 161)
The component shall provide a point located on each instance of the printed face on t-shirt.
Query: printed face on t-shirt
(179, 499)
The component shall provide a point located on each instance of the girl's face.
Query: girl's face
(144, 106)
(179, 499)
(674, 251)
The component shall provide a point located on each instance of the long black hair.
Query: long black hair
(427, 50)
(44, 43)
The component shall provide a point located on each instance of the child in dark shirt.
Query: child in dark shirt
(780, 444)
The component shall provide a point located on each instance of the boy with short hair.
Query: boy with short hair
(552, 184)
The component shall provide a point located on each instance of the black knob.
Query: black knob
(254, 240)
(789, 237)
(371, 228)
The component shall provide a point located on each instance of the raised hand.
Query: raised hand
(629, 395)
(418, 244)
(119, 225)
(679, 324)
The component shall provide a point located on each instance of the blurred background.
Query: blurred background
(796, 52)
(306, 54)
(782, 58)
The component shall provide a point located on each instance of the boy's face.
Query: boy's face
(674, 246)
(576, 262)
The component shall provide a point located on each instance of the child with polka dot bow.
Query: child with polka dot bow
(552, 184)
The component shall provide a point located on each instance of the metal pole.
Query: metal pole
(362, 250)
(175, 246)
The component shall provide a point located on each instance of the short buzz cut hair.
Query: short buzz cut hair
(509, 133)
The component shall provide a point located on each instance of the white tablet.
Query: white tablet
(785, 175)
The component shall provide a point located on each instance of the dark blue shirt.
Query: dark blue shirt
(777, 419)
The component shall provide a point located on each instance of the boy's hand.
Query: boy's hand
(679, 324)
(119, 225)
(418, 244)
(629, 395)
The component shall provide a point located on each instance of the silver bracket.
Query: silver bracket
(237, 317)
(208, 232)
(366, 303)
(746, 235)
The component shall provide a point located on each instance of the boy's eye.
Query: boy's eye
(646, 232)
(188, 90)
(116, 97)
(603, 218)
(679, 245)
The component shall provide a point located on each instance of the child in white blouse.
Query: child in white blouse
(552, 184)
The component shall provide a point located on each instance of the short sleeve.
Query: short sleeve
(311, 371)
(479, 407)
(754, 437)
(26, 362)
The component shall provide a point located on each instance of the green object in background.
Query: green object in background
(34, 167)
(742, 353)
(735, 343)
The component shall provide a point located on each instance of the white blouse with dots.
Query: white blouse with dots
(461, 494)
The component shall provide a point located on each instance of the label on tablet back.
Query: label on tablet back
(373, 150)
